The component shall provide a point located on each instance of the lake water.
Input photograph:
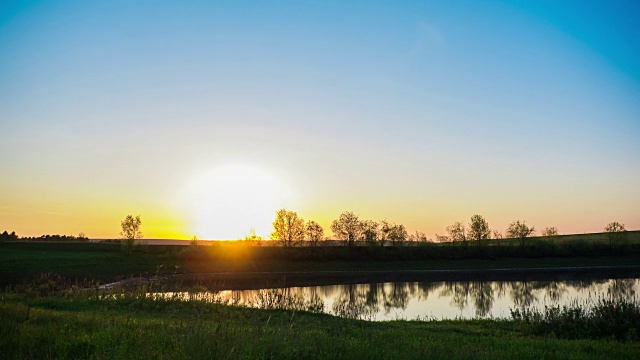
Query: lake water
(434, 300)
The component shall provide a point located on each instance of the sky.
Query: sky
(204, 118)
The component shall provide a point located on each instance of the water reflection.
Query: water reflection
(460, 299)
(622, 288)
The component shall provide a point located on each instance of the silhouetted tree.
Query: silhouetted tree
(479, 229)
(5, 236)
(396, 234)
(370, 232)
(442, 238)
(288, 227)
(616, 233)
(550, 232)
(130, 232)
(497, 235)
(457, 232)
(419, 236)
(347, 227)
(519, 230)
(314, 232)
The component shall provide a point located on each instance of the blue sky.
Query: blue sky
(420, 112)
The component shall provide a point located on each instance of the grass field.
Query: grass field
(22, 261)
(52, 318)
(67, 327)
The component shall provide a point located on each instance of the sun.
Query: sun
(227, 201)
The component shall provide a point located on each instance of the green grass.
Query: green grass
(46, 320)
(22, 261)
(79, 327)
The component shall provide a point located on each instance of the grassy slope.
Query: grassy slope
(106, 262)
(59, 328)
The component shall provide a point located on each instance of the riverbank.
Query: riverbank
(72, 327)
(279, 279)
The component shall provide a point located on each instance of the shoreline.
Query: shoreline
(252, 280)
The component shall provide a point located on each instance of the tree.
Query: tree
(130, 232)
(519, 230)
(616, 233)
(288, 227)
(550, 232)
(370, 231)
(253, 236)
(397, 234)
(442, 238)
(9, 237)
(420, 237)
(314, 232)
(457, 232)
(479, 229)
(347, 227)
(497, 235)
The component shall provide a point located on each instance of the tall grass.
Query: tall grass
(605, 317)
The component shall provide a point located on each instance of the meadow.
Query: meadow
(52, 305)
(38, 324)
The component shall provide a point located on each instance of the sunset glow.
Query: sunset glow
(227, 201)
(205, 118)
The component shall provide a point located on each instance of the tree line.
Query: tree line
(292, 230)
(6, 236)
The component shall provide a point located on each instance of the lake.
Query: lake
(430, 300)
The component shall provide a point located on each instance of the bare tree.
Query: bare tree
(550, 232)
(519, 230)
(130, 232)
(616, 233)
(347, 227)
(288, 227)
(419, 236)
(457, 232)
(497, 235)
(314, 232)
(479, 229)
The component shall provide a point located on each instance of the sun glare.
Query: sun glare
(226, 202)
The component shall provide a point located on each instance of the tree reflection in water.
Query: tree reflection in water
(482, 293)
(398, 296)
(458, 291)
(411, 299)
(555, 290)
(352, 302)
(522, 293)
(622, 289)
